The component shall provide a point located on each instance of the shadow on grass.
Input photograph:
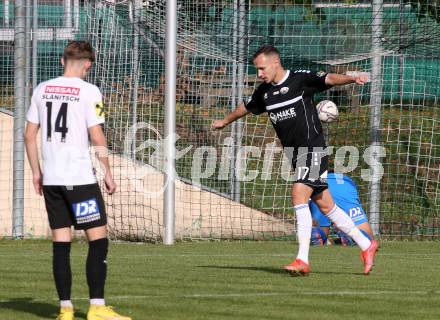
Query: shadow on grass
(339, 273)
(279, 270)
(40, 309)
(263, 269)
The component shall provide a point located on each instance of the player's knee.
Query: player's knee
(299, 198)
(326, 208)
(96, 233)
(62, 235)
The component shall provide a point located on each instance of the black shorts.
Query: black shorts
(310, 168)
(81, 206)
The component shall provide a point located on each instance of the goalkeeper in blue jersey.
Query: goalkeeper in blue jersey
(345, 194)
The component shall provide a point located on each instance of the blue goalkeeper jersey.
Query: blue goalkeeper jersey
(345, 194)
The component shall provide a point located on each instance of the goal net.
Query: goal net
(234, 183)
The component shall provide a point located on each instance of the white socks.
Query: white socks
(345, 224)
(97, 302)
(304, 230)
(66, 304)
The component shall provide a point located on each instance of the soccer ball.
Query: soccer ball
(327, 111)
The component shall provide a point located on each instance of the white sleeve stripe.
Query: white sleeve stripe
(285, 103)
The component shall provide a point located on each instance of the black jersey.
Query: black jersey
(290, 107)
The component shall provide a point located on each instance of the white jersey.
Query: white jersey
(65, 108)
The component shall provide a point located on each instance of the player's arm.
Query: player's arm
(255, 105)
(98, 140)
(335, 79)
(30, 141)
(238, 113)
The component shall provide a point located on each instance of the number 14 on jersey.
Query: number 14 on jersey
(60, 121)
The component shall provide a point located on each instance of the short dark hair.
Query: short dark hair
(267, 50)
(79, 50)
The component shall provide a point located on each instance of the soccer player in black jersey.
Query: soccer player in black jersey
(287, 97)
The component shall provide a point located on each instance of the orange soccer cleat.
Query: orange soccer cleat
(298, 267)
(367, 256)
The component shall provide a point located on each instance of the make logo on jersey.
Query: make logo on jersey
(282, 115)
(321, 73)
(62, 90)
(86, 211)
(265, 96)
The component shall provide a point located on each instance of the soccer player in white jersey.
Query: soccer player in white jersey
(69, 110)
(287, 97)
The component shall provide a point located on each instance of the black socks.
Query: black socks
(96, 267)
(61, 269)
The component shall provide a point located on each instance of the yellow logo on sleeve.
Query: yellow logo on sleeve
(99, 109)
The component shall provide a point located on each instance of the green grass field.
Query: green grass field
(230, 280)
